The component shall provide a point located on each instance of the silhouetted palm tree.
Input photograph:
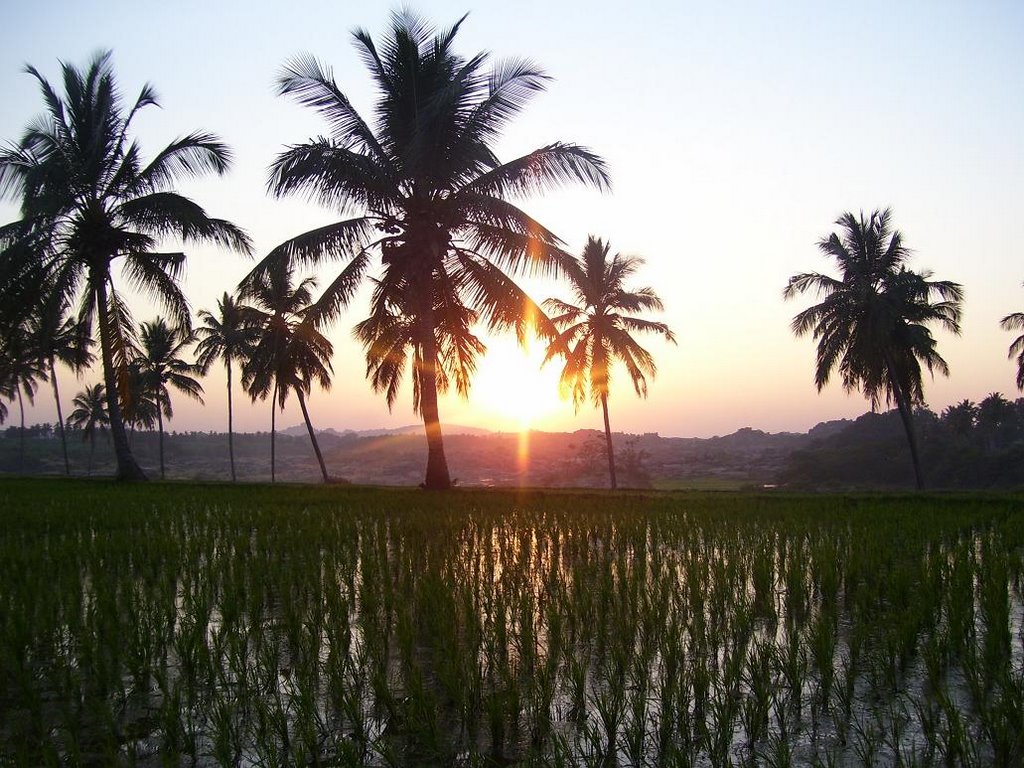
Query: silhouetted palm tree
(161, 364)
(961, 418)
(1015, 322)
(229, 336)
(996, 421)
(90, 415)
(872, 323)
(88, 200)
(139, 400)
(57, 337)
(290, 354)
(20, 372)
(428, 195)
(595, 332)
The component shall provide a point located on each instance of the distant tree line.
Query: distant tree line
(968, 445)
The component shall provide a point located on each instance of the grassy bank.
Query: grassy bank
(190, 624)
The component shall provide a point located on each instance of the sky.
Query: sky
(736, 133)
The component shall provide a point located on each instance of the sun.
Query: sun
(512, 390)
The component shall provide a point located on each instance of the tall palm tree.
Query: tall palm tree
(88, 200)
(20, 372)
(57, 337)
(291, 354)
(595, 332)
(161, 363)
(1015, 322)
(90, 415)
(872, 322)
(423, 190)
(229, 336)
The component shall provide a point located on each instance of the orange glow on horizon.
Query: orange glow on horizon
(512, 390)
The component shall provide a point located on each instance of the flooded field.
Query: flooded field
(189, 625)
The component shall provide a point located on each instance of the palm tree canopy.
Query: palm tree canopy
(421, 188)
(140, 396)
(88, 198)
(90, 411)
(1015, 322)
(21, 368)
(161, 361)
(228, 335)
(872, 323)
(597, 328)
(290, 353)
(56, 335)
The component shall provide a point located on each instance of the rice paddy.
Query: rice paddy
(191, 625)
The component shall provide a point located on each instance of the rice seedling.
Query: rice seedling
(325, 626)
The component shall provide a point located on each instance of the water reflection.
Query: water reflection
(532, 634)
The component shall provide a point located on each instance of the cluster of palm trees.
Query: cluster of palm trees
(420, 192)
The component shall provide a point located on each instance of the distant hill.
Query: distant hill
(299, 430)
(868, 452)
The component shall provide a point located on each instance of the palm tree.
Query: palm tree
(20, 372)
(88, 200)
(139, 400)
(996, 422)
(595, 333)
(162, 365)
(1015, 322)
(291, 354)
(90, 416)
(872, 321)
(230, 336)
(57, 337)
(961, 418)
(423, 190)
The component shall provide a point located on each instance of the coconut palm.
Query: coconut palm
(872, 324)
(229, 336)
(162, 367)
(20, 374)
(291, 354)
(961, 418)
(996, 422)
(139, 398)
(57, 337)
(595, 333)
(1015, 322)
(422, 189)
(88, 200)
(90, 416)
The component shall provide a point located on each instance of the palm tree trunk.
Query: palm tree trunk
(438, 478)
(21, 434)
(907, 414)
(127, 467)
(273, 427)
(608, 441)
(908, 425)
(60, 419)
(160, 428)
(312, 435)
(231, 436)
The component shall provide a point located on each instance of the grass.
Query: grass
(289, 625)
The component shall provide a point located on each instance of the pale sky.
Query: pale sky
(736, 133)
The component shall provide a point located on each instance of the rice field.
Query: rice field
(273, 626)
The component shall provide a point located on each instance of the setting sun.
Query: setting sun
(513, 390)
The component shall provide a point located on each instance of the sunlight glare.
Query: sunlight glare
(513, 390)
